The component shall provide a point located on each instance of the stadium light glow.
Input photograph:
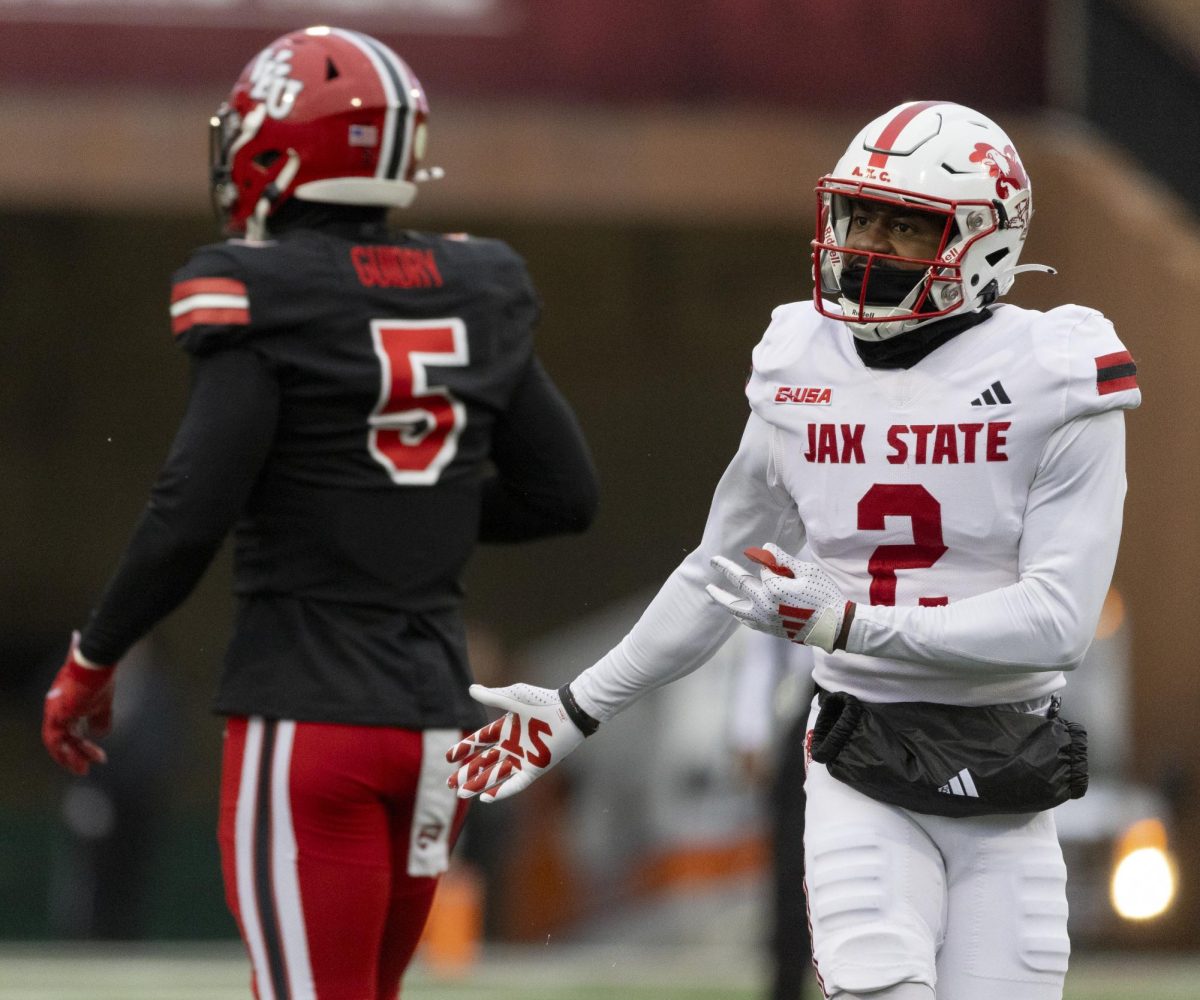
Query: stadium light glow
(1144, 877)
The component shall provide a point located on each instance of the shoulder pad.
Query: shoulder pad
(1102, 374)
(786, 339)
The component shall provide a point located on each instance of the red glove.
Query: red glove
(78, 702)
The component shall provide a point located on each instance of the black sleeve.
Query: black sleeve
(545, 482)
(214, 460)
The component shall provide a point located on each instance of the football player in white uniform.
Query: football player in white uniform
(956, 467)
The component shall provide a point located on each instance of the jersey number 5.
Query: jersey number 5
(415, 426)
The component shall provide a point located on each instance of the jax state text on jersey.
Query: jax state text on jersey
(920, 444)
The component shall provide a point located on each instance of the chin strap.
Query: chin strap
(1044, 268)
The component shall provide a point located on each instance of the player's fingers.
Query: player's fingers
(93, 752)
(100, 724)
(483, 772)
(497, 697)
(458, 780)
(470, 768)
(730, 602)
(75, 754)
(507, 779)
(768, 557)
(508, 786)
(468, 746)
(781, 557)
(735, 574)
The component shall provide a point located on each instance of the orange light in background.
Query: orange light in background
(1145, 875)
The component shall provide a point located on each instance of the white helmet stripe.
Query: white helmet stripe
(397, 86)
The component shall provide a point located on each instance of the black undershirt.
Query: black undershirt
(907, 349)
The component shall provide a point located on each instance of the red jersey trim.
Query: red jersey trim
(209, 317)
(207, 286)
(1115, 372)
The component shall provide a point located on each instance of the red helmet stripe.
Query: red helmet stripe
(891, 131)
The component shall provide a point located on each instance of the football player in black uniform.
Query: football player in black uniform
(366, 405)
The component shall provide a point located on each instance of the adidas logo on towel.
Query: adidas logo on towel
(993, 395)
(961, 784)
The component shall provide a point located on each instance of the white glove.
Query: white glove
(537, 731)
(789, 599)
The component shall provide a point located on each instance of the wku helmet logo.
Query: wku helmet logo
(272, 84)
(1005, 167)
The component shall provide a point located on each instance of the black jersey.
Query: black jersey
(365, 406)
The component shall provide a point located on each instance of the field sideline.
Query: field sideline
(566, 972)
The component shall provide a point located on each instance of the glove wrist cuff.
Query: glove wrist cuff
(88, 676)
(844, 632)
(583, 722)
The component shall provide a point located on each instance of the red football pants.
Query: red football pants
(332, 840)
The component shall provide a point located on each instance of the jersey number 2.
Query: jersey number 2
(415, 426)
(925, 514)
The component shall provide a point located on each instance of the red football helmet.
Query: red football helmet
(320, 114)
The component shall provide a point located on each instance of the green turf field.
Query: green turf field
(156, 972)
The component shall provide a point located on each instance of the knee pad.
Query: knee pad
(901, 991)
(876, 897)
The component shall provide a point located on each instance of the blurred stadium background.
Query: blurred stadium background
(654, 162)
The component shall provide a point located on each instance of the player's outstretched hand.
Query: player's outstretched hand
(789, 599)
(533, 735)
(78, 705)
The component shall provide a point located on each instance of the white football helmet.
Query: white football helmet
(940, 158)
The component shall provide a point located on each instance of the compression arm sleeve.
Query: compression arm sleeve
(683, 626)
(545, 482)
(1068, 549)
(218, 450)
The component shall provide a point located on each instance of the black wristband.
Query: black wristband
(584, 722)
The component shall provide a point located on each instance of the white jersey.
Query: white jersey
(970, 505)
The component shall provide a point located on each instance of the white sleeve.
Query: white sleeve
(1068, 548)
(683, 626)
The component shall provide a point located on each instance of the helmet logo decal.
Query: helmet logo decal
(872, 173)
(272, 83)
(1005, 167)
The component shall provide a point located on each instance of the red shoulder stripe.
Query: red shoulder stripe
(207, 286)
(1115, 372)
(209, 317)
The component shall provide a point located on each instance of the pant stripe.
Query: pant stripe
(263, 888)
(284, 875)
(244, 823)
(434, 807)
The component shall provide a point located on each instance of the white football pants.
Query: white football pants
(974, 908)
